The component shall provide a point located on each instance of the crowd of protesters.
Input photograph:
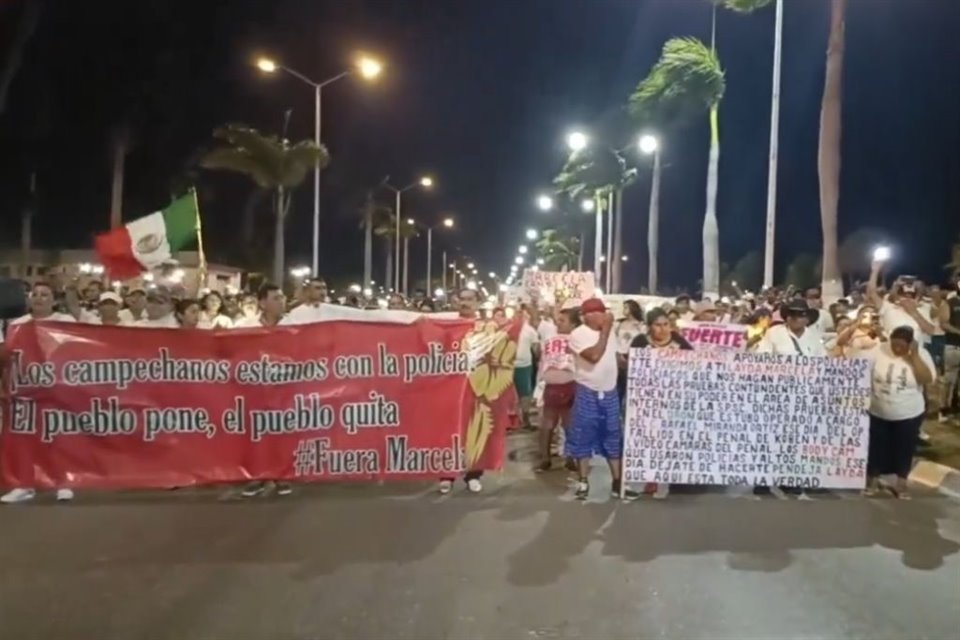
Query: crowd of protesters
(572, 357)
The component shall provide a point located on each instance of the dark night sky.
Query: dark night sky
(480, 94)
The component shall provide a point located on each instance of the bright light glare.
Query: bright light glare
(540, 261)
(518, 260)
(448, 223)
(503, 287)
(577, 140)
(368, 292)
(438, 292)
(881, 254)
(411, 221)
(470, 265)
(522, 249)
(355, 288)
(532, 234)
(587, 205)
(625, 258)
(472, 285)
(266, 65)
(369, 68)
(426, 181)
(648, 143)
(492, 274)
(545, 203)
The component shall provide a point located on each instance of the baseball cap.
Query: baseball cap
(110, 296)
(592, 305)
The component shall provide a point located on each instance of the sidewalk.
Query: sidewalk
(938, 465)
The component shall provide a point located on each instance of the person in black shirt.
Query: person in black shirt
(660, 334)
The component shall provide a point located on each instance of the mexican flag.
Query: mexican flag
(149, 241)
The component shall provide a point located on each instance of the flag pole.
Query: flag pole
(201, 256)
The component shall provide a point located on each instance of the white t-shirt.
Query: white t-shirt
(546, 329)
(824, 323)
(219, 321)
(896, 394)
(528, 337)
(168, 321)
(247, 322)
(55, 317)
(601, 376)
(303, 314)
(626, 331)
(127, 317)
(779, 340)
(893, 316)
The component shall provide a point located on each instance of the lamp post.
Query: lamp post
(771, 226)
(368, 68)
(426, 182)
(447, 223)
(650, 145)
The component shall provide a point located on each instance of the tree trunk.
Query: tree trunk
(711, 231)
(618, 244)
(280, 203)
(653, 227)
(120, 146)
(583, 240)
(368, 241)
(406, 266)
(598, 241)
(29, 17)
(770, 240)
(828, 160)
(608, 276)
(26, 222)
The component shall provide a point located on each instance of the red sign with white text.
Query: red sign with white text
(119, 407)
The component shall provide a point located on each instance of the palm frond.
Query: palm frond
(593, 170)
(267, 160)
(686, 81)
(742, 6)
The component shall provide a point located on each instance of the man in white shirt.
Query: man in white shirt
(824, 321)
(313, 294)
(793, 337)
(136, 306)
(159, 312)
(108, 311)
(900, 308)
(41, 310)
(527, 342)
(595, 421)
(272, 304)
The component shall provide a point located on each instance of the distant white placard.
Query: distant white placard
(731, 418)
(715, 335)
(551, 285)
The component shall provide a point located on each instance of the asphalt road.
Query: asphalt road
(522, 560)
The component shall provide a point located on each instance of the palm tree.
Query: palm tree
(559, 252)
(271, 163)
(685, 81)
(373, 216)
(385, 227)
(596, 172)
(828, 157)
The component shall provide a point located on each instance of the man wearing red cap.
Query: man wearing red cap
(595, 423)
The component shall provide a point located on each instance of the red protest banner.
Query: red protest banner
(134, 408)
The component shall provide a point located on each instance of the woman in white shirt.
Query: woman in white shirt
(628, 327)
(212, 316)
(901, 369)
(557, 374)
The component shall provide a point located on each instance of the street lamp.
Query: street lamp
(446, 223)
(518, 260)
(426, 182)
(587, 205)
(532, 234)
(577, 140)
(649, 144)
(544, 202)
(470, 265)
(522, 249)
(368, 68)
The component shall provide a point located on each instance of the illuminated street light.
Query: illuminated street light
(470, 265)
(541, 261)
(522, 249)
(368, 67)
(625, 258)
(544, 202)
(648, 143)
(266, 65)
(426, 181)
(448, 223)
(577, 140)
(518, 260)
(587, 205)
(492, 275)
(532, 234)
(411, 221)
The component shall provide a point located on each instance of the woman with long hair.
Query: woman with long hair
(188, 313)
(212, 315)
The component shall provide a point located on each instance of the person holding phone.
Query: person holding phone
(899, 372)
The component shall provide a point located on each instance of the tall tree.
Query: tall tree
(686, 81)
(271, 163)
(595, 172)
(804, 271)
(558, 250)
(373, 215)
(828, 158)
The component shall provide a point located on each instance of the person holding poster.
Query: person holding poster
(901, 369)
(595, 424)
(660, 335)
(557, 374)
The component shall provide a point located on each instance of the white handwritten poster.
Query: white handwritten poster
(725, 417)
(715, 335)
(550, 285)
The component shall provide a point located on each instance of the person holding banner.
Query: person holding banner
(160, 313)
(557, 375)
(901, 370)
(660, 335)
(595, 423)
(41, 310)
(188, 313)
(271, 303)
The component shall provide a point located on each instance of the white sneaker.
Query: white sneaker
(446, 486)
(778, 493)
(18, 495)
(64, 495)
(474, 486)
(663, 490)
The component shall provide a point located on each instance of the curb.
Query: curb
(940, 477)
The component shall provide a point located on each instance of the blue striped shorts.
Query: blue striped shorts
(595, 425)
